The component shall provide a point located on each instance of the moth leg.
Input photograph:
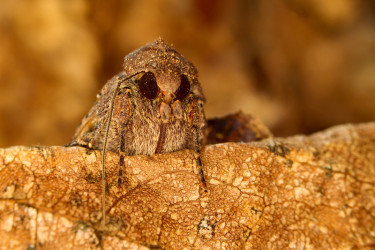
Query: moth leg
(120, 170)
(197, 121)
(122, 115)
(200, 167)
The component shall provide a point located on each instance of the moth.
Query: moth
(155, 105)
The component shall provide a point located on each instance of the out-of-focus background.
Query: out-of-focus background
(300, 66)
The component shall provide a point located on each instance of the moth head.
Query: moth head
(169, 85)
(157, 55)
(164, 76)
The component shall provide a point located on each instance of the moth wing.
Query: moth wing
(92, 129)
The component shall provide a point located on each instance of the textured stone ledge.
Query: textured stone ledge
(299, 192)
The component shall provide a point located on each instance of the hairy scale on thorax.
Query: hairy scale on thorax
(155, 105)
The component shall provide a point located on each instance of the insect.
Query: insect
(155, 105)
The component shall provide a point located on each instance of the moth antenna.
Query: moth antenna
(105, 145)
(104, 153)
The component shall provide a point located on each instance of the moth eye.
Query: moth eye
(148, 86)
(184, 89)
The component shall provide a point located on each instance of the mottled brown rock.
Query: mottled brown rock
(299, 192)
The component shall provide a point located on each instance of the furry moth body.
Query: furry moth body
(155, 105)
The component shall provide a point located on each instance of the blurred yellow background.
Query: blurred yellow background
(300, 66)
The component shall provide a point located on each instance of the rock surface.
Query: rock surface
(299, 192)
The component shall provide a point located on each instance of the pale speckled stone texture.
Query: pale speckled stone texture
(299, 192)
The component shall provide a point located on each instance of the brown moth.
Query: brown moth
(155, 105)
